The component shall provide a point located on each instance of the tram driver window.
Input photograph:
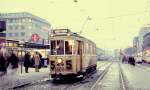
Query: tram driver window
(60, 47)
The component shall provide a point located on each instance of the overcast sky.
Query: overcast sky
(113, 23)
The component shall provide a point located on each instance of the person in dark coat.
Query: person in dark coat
(27, 61)
(3, 68)
(124, 59)
(13, 60)
(132, 61)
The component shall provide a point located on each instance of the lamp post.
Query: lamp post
(21, 45)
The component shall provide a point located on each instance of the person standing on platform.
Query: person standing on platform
(27, 61)
(36, 61)
(13, 62)
(3, 68)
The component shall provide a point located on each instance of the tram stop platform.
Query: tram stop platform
(15, 79)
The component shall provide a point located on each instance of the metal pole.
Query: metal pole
(83, 25)
(21, 60)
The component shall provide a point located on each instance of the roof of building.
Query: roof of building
(22, 15)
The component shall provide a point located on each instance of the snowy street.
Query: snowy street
(16, 79)
(108, 77)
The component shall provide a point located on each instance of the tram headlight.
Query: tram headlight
(59, 60)
(52, 35)
(68, 34)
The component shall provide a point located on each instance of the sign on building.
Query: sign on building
(35, 37)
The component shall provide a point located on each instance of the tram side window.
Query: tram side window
(68, 48)
(53, 48)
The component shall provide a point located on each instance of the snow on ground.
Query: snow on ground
(138, 78)
(15, 78)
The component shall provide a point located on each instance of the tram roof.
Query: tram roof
(64, 34)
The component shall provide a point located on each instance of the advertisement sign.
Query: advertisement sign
(35, 37)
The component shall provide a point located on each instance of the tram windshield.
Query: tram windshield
(61, 47)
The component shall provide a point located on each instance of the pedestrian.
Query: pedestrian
(3, 68)
(13, 62)
(36, 61)
(27, 61)
(132, 60)
(40, 64)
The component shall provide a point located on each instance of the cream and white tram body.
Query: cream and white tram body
(71, 54)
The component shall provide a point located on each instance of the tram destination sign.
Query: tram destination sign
(60, 31)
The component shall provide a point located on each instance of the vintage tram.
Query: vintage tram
(71, 54)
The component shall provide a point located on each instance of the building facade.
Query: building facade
(23, 26)
(146, 47)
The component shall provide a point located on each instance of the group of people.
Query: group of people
(129, 60)
(30, 60)
(7, 60)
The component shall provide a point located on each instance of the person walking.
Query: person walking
(3, 68)
(36, 61)
(27, 61)
(13, 62)
(132, 60)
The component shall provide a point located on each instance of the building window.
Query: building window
(16, 34)
(23, 20)
(29, 27)
(22, 33)
(10, 20)
(10, 28)
(10, 34)
(22, 27)
(16, 27)
(14, 20)
(30, 20)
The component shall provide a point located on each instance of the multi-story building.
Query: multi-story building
(144, 30)
(138, 42)
(23, 26)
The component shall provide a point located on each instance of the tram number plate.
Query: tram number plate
(59, 69)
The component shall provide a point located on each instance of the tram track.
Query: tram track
(83, 81)
(104, 72)
(122, 79)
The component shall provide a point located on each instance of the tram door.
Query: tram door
(80, 52)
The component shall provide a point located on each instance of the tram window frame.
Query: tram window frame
(60, 47)
(67, 48)
(57, 47)
(53, 47)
